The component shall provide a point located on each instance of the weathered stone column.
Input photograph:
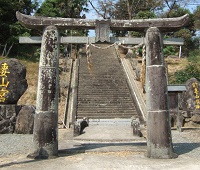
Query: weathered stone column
(159, 141)
(46, 118)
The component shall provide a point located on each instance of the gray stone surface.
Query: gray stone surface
(103, 91)
(190, 103)
(191, 96)
(107, 154)
(25, 120)
(46, 117)
(15, 76)
(8, 115)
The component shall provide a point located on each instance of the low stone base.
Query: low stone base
(8, 114)
(25, 120)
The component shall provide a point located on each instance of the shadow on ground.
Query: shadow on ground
(183, 148)
(103, 147)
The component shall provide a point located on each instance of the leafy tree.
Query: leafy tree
(65, 9)
(48, 9)
(62, 8)
(189, 72)
(197, 18)
(10, 29)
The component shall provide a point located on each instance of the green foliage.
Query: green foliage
(192, 70)
(65, 9)
(187, 32)
(194, 57)
(196, 18)
(169, 50)
(10, 29)
(196, 43)
(49, 9)
(145, 15)
(62, 8)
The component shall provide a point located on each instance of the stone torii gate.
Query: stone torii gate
(159, 142)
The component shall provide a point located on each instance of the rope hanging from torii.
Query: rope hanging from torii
(136, 47)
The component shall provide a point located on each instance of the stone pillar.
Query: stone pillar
(159, 141)
(45, 124)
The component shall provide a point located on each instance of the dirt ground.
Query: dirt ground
(77, 154)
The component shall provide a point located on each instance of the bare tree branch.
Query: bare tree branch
(96, 9)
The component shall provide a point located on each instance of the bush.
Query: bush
(192, 70)
(194, 57)
(169, 50)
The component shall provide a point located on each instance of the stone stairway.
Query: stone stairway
(103, 92)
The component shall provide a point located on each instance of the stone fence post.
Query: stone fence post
(45, 124)
(159, 141)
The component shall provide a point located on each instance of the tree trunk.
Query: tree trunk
(159, 141)
(9, 50)
(4, 50)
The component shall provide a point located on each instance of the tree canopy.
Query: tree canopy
(10, 29)
(144, 9)
(62, 8)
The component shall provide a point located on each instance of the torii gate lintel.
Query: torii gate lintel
(163, 24)
(45, 134)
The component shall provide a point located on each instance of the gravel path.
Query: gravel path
(15, 144)
(186, 142)
(14, 148)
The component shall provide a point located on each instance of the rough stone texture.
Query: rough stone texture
(159, 143)
(195, 118)
(130, 54)
(164, 24)
(8, 114)
(190, 104)
(25, 120)
(103, 93)
(102, 30)
(46, 118)
(191, 99)
(16, 77)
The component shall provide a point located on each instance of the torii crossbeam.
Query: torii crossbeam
(163, 24)
(159, 144)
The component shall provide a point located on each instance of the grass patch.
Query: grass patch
(29, 97)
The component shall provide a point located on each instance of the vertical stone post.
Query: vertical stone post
(45, 134)
(159, 141)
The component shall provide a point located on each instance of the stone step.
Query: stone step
(103, 91)
(114, 79)
(102, 113)
(108, 96)
(106, 101)
(103, 104)
(106, 108)
(106, 116)
(103, 88)
(110, 101)
(91, 90)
